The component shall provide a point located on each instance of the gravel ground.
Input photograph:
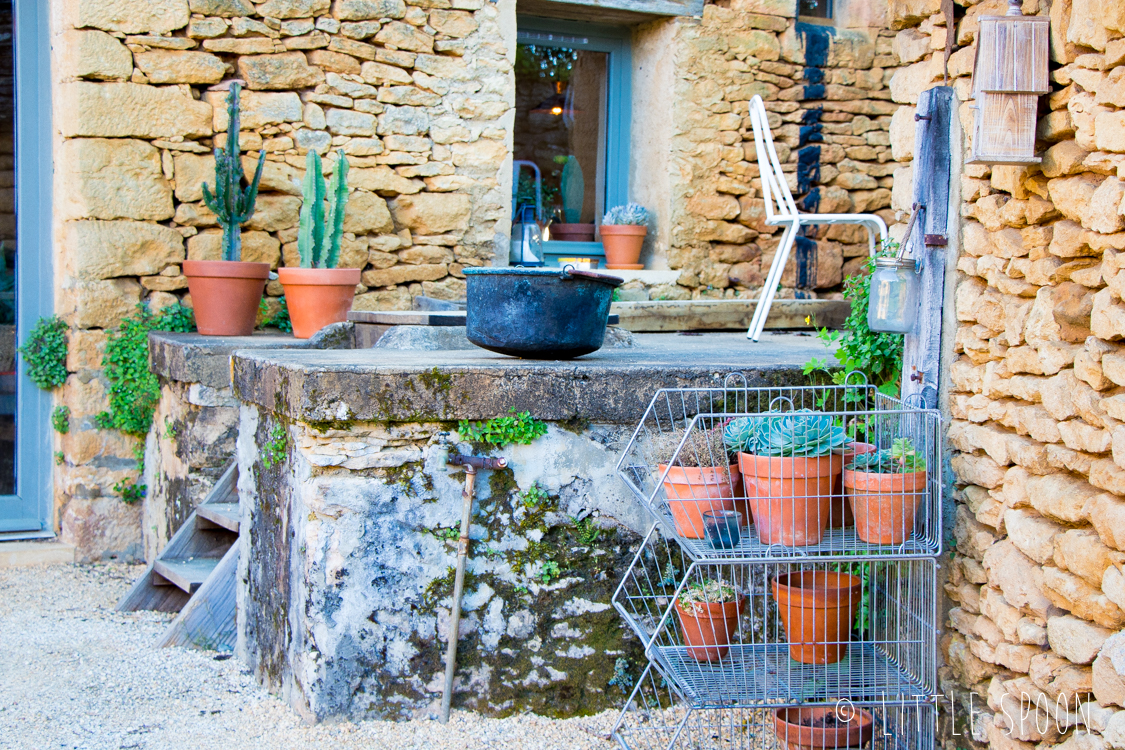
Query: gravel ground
(76, 674)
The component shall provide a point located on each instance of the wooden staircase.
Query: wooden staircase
(195, 573)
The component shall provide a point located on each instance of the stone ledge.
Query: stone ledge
(611, 386)
(19, 554)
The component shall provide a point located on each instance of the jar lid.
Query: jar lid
(893, 262)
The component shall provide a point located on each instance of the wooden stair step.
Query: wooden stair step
(186, 573)
(220, 514)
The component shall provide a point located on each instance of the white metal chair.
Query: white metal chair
(781, 210)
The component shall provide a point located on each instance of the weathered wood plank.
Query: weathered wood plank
(208, 620)
(187, 573)
(223, 515)
(734, 314)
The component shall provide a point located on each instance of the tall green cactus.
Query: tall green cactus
(318, 239)
(232, 204)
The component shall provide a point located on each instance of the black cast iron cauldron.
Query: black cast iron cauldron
(538, 313)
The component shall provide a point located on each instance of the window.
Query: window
(571, 131)
(815, 8)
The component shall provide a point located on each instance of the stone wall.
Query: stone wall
(1037, 582)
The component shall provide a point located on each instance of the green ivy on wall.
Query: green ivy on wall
(521, 428)
(44, 352)
(60, 419)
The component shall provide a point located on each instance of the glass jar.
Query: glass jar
(895, 295)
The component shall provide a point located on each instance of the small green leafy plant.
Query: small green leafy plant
(712, 591)
(534, 496)
(621, 677)
(281, 320)
(130, 491)
(274, 451)
(232, 204)
(549, 571)
(521, 429)
(60, 419)
(802, 433)
(587, 530)
(60, 458)
(318, 238)
(900, 458)
(44, 352)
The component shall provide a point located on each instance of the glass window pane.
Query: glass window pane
(7, 253)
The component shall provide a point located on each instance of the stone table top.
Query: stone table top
(609, 386)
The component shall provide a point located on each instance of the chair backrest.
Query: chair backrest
(775, 189)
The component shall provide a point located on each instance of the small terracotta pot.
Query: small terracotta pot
(572, 232)
(708, 628)
(225, 295)
(622, 244)
(791, 497)
(692, 491)
(884, 504)
(841, 516)
(817, 609)
(854, 728)
(317, 297)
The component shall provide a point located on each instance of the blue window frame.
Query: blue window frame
(615, 43)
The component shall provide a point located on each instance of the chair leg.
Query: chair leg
(765, 301)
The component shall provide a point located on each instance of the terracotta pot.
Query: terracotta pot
(884, 504)
(708, 628)
(572, 232)
(791, 497)
(817, 609)
(693, 491)
(841, 516)
(317, 297)
(854, 728)
(622, 244)
(225, 295)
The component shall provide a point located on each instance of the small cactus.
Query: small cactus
(318, 239)
(631, 214)
(232, 204)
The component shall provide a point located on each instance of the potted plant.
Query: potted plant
(789, 471)
(318, 293)
(841, 514)
(817, 608)
(708, 612)
(225, 293)
(623, 232)
(884, 489)
(573, 190)
(702, 479)
(823, 727)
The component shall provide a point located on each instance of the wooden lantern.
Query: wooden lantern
(1009, 76)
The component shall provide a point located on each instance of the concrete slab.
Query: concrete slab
(19, 554)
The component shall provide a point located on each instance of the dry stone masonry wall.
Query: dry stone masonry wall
(1037, 584)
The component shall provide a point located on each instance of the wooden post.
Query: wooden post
(929, 241)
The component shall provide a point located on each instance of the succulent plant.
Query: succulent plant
(233, 205)
(318, 238)
(803, 434)
(631, 214)
(900, 458)
(707, 592)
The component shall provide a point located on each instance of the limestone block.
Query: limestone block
(1103, 214)
(99, 304)
(783, 8)
(1107, 316)
(335, 62)
(122, 110)
(1016, 576)
(1107, 475)
(313, 140)
(403, 121)
(1080, 436)
(382, 180)
(292, 8)
(380, 73)
(288, 70)
(361, 10)
(1081, 552)
(1023, 722)
(257, 247)
(1107, 515)
(396, 298)
(1073, 195)
(459, 23)
(346, 87)
(481, 156)
(105, 249)
(192, 170)
(1069, 592)
(973, 538)
(350, 122)
(1075, 639)
(911, 45)
(100, 527)
(177, 66)
(273, 212)
(1063, 159)
(405, 37)
(1110, 130)
(910, 81)
(432, 213)
(113, 179)
(404, 274)
(94, 54)
(1073, 304)
(259, 108)
(1032, 534)
(132, 16)
(1109, 671)
(367, 213)
(222, 8)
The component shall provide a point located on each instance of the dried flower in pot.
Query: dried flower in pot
(820, 728)
(702, 479)
(708, 612)
(884, 489)
(789, 468)
(817, 608)
(623, 233)
(319, 294)
(225, 293)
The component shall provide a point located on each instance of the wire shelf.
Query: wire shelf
(656, 717)
(875, 639)
(722, 506)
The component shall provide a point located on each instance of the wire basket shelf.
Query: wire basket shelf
(657, 717)
(878, 493)
(789, 632)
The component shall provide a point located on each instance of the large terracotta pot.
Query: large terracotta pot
(791, 497)
(708, 628)
(317, 297)
(622, 245)
(841, 515)
(225, 295)
(884, 504)
(693, 491)
(817, 609)
(823, 727)
(572, 232)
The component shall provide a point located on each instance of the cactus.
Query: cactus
(232, 204)
(318, 240)
(632, 214)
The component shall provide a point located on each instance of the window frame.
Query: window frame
(616, 42)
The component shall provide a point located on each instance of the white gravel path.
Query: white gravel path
(76, 674)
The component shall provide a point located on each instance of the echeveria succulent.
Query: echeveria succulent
(631, 214)
(900, 458)
(803, 433)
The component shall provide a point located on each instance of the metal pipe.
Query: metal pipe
(471, 464)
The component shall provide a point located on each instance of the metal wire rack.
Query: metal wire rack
(657, 717)
(722, 503)
(790, 632)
